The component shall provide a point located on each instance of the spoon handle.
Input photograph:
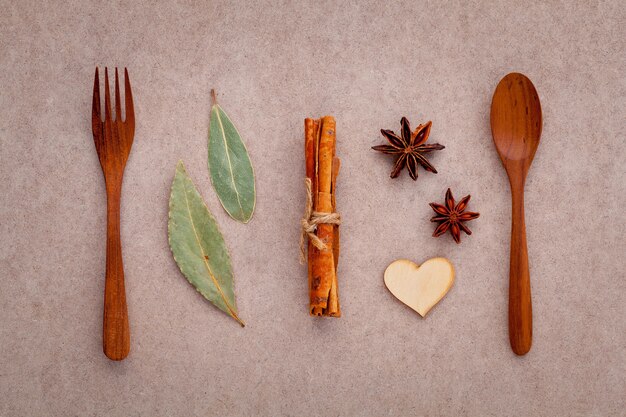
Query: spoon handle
(520, 306)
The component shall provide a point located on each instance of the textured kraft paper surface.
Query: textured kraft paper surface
(274, 63)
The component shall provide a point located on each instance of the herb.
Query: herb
(231, 171)
(410, 148)
(451, 217)
(198, 246)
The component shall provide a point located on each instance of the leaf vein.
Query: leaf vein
(204, 258)
(230, 166)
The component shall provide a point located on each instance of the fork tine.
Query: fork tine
(96, 116)
(107, 97)
(118, 104)
(130, 110)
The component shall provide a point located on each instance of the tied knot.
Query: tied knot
(311, 220)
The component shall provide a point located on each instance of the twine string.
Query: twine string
(310, 220)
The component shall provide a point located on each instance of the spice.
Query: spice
(451, 217)
(231, 171)
(410, 148)
(321, 223)
(198, 245)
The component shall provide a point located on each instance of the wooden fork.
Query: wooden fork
(113, 139)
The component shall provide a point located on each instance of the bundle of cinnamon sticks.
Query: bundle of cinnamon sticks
(322, 168)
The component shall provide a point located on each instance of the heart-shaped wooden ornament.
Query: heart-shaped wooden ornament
(420, 286)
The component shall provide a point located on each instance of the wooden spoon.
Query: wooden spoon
(516, 127)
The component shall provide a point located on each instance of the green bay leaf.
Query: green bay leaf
(231, 171)
(198, 246)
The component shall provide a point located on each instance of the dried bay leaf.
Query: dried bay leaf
(231, 171)
(198, 246)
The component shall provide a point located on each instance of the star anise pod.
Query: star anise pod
(451, 217)
(410, 148)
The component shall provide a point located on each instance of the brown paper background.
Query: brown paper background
(273, 64)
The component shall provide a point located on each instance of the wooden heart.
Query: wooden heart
(420, 287)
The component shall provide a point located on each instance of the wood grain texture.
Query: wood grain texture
(420, 287)
(516, 123)
(113, 139)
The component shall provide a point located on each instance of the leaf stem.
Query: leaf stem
(213, 97)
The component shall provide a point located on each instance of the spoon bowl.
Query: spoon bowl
(516, 120)
(516, 123)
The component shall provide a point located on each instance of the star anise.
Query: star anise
(451, 217)
(410, 148)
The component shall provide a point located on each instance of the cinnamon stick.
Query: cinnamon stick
(322, 168)
(311, 130)
(333, 299)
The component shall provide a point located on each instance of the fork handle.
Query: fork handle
(116, 333)
(520, 305)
